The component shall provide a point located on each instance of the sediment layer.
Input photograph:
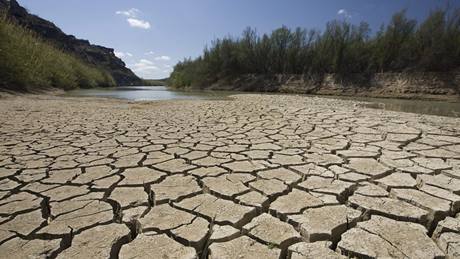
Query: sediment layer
(429, 85)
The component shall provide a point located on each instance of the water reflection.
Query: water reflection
(148, 93)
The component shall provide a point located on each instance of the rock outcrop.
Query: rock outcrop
(93, 54)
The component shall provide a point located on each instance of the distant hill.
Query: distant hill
(98, 56)
(156, 82)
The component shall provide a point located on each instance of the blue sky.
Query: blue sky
(152, 35)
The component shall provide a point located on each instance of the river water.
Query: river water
(150, 93)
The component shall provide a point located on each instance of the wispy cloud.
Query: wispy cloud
(145, 61)
(148, 53)
(133, 12)
(120, 54)
(167, 69)
(344, 13)
(145, 68)
(148, 69)
(133, 20)
(163, 58)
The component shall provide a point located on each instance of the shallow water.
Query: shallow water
(442, 108)
(150, 93)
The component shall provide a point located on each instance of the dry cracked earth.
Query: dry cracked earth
(253, 177)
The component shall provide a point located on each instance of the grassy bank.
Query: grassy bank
(28, 63)
(342, 49)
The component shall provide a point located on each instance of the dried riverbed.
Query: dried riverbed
(258, 176)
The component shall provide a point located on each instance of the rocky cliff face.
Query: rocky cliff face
(92, 54)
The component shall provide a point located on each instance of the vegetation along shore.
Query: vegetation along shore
(402, 59)
(36, 55)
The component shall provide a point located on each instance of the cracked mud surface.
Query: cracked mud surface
(253, 177)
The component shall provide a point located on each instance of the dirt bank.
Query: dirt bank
(438, 86)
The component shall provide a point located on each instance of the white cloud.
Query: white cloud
(167, 69)
(132, 13)
(163, 58)
(133, 20)
(120, 54)
(344, 13)
(145, 68)
(149, 53)
(145, 62)
(136, 23)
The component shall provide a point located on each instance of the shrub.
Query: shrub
(343, 49)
